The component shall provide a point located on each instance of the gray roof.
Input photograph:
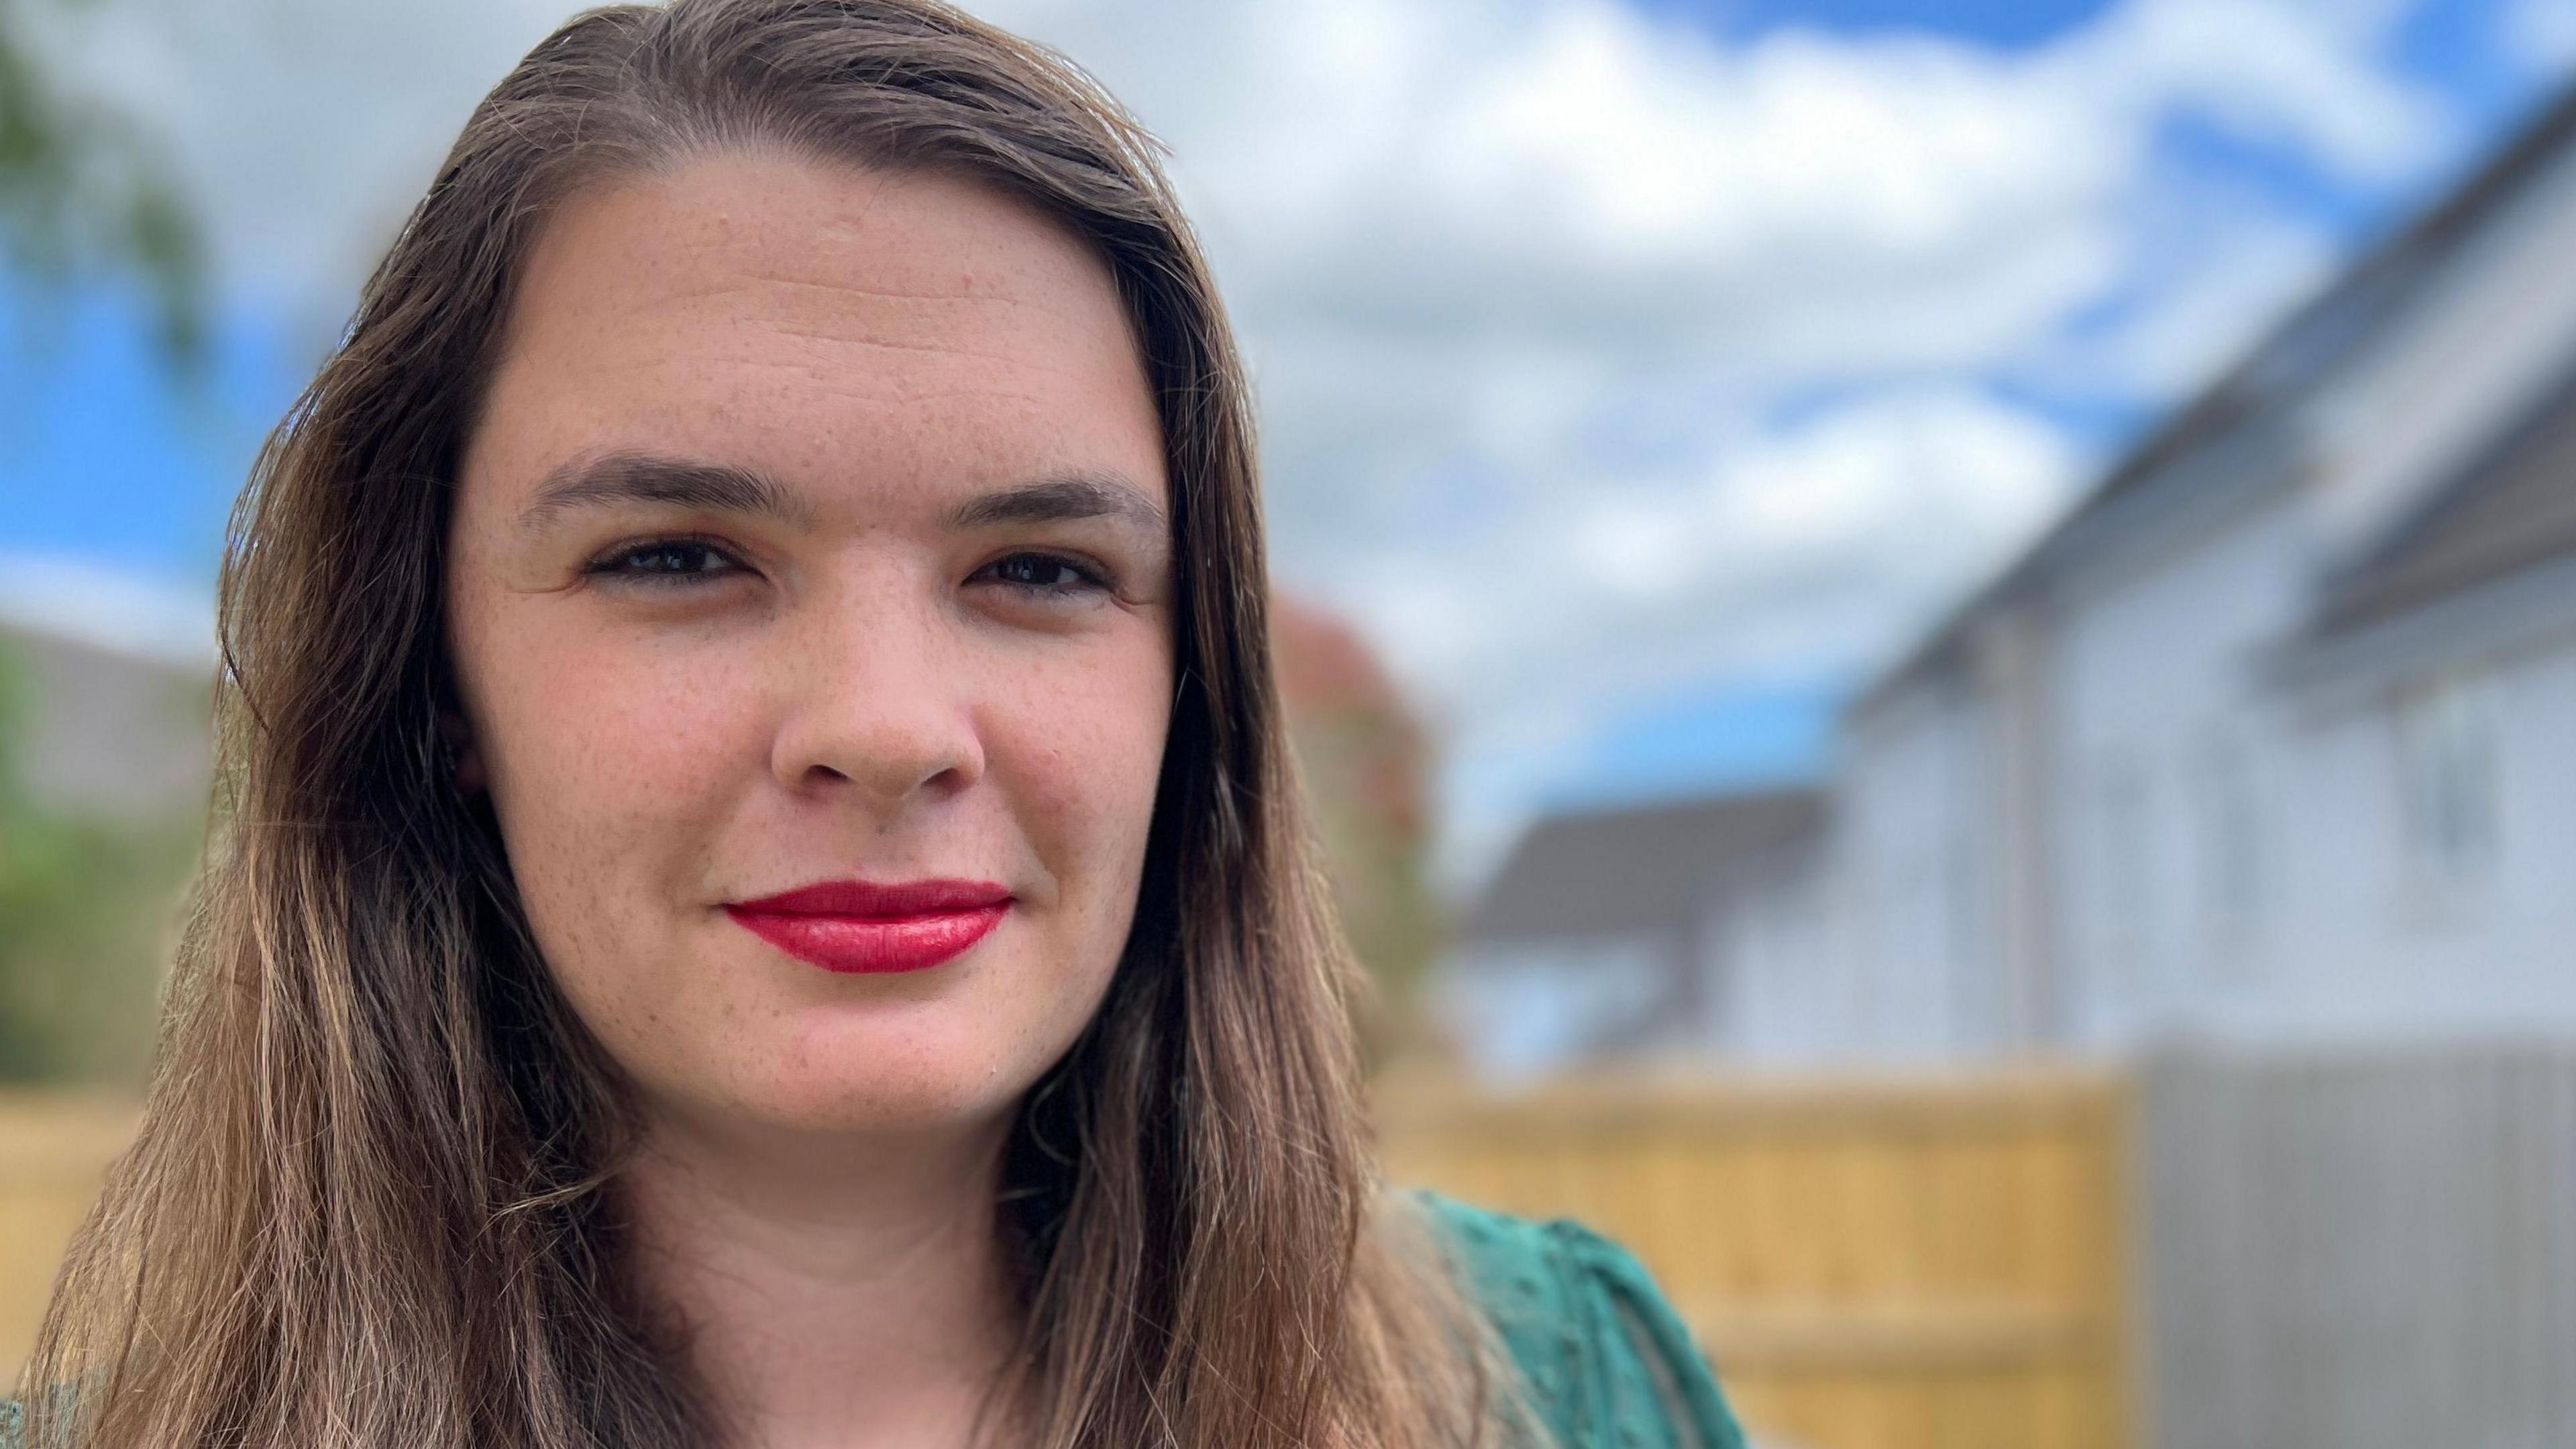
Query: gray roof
(2510, 509)
(2286, 363)
(1645, 867)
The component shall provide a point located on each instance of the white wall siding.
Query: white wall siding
(2383, 941)
(2167, 766)
(1785, 955)
(1915, 846)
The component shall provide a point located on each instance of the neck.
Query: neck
(836, 1295)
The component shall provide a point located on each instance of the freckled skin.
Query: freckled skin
(857, 697)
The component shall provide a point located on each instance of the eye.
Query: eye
(665, 562)
(1047, 575)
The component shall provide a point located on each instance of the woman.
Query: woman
(760, 899)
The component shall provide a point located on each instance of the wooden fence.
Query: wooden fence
(54, 1152)
(1900, 1265)
(2346, 1252)
(1920, 1264)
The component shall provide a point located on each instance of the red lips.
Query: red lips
(865, 926)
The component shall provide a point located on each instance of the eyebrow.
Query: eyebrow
(604, 480)
(1066, 496)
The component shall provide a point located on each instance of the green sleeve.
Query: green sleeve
(1606, 1361)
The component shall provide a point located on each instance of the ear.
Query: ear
(464, 756)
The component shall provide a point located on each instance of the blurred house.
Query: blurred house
(2271, 740)
(97, 730)
(1604, 931)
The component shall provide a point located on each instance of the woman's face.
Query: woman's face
(814, 532)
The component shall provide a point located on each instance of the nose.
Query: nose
(877, 705)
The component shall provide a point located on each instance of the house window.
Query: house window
(2446, 760)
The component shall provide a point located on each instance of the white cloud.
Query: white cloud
(2209, 266)
(1593, 350)
(108, 608)
(307, 127)
(2303, 73)
(1886, 500)
(2541, 33)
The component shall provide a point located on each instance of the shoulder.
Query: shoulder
(1605, 1358)
(13, 1415)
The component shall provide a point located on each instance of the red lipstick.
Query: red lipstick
(861, 926)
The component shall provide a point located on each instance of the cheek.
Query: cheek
(1080, 752)
(1086, 751)
(609, 732)
(608, 761)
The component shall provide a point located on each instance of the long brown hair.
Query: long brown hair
(373, 1201)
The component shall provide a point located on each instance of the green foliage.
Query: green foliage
(1375, 849)
(83, 187)
(86, 911)
(1377, 855)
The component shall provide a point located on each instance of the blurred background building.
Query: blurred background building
(1608, 932)
(2263, 742)
(2248, 778)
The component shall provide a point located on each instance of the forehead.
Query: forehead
(821, 322)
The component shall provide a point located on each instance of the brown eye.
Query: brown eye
(665, 561)
(1045, 574)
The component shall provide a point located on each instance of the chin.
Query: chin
(843, 1080)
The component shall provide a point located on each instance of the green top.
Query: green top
(1607, 1363)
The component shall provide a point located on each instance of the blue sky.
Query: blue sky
(1520, 478)
(2004, 24)
(119, 461)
